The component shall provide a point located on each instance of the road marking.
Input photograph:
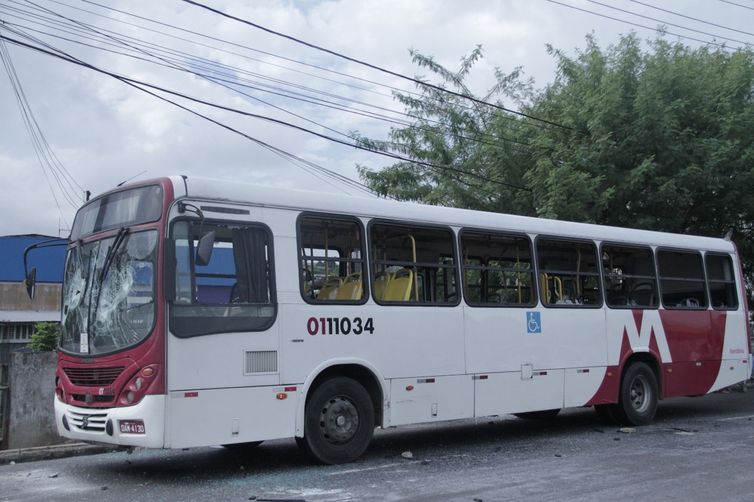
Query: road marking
(735, 418)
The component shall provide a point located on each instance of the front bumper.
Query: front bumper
(91, 424)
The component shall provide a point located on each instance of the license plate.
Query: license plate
(132, 426)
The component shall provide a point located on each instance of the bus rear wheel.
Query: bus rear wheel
(638, 396)
(338, 422)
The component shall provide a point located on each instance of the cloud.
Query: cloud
(104, 131)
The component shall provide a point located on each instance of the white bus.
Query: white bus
(200, 312)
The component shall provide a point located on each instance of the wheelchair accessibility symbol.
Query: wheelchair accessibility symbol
(533, 322)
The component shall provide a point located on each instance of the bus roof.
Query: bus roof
(373, 207)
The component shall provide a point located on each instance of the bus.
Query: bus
(198, 312)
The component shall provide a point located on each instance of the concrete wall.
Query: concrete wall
(32, 388)
(14, 297)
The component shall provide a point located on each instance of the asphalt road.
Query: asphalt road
(697, 449)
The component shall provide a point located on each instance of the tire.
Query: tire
(243, 446)
(638, 396)
(338, 422)
(539, 415)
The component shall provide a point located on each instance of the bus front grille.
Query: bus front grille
(93, 377)
(88, 421)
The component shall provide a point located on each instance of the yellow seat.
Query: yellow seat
(351, 288)
(329, 289)
(381, 280)
(398, 288)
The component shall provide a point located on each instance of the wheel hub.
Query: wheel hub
(639, 393)
(339, 420)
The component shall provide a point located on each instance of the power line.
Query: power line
(47, 156)
(257, 60)
(738, 4)
(218, 64)
(210, 79)
(692, 18)
(722, 46)
(259, 51)
(318, 102)
(375, 67)
(138, 84)
(286, 155)
(171, 63)
(666, 22)
(311, 65)
(28, 124)
(290, 125)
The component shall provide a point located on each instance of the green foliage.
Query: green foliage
(656, 136)
(45, 336)
(447, 131)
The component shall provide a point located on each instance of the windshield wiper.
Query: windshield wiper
(109, 257)
(111, 252)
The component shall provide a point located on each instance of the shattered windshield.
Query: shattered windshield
(108, 293)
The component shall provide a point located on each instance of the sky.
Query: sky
(104, 132)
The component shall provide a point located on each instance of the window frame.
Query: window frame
(532, 270)
(697, 252)
(734, 282)
(654, 269)
(410, 225)
(77, 234)
(598, 262)
(365, 274)
(213, 325)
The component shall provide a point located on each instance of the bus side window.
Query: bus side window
(721, 282)
(682, 279)
(413, 265)
(630, 279)
(331, 259)
(234, 291)
(568, 273)
(497, 269)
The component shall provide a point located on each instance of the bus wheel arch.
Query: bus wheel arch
(360, 372)
(340, 414)
(639, 391)
(651, 360)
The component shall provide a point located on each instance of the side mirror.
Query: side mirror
(204, 248)
(31, 283)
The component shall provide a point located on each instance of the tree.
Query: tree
(45, 336)
(448, 133)
(657, 138)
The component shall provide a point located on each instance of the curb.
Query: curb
(56, 451)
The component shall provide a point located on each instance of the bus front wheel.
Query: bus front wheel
(638, 396)
(338, 422)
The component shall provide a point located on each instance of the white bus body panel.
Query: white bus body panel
(418, 400)
(434, 348)
(497, 339)
(232, 415)
(561, 364)
(151, 409)
(529, 389)
(736, 365)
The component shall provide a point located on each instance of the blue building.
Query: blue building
(17, 312)
(49, 261)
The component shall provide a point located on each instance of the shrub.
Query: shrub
(45, 336)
